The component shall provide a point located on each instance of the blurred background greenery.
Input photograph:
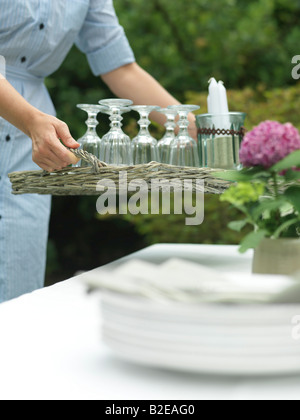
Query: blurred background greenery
(249, 44)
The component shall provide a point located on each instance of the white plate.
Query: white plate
(209, 338)
(195, 331)
(205, 364)
(188, 327)
(207, 314)
(230, 348)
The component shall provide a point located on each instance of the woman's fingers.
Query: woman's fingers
(54, 155)
(46, 164)
(63, 133)
(47, 150)
(62, 155)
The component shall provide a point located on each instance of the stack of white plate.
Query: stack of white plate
(182, 320)
(218, 339)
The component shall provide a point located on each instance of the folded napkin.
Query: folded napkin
(187, 282)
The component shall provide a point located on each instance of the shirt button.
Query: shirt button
(7, 138)
(42, 26)
(23, 59)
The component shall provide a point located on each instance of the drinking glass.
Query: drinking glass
(90, 141)
(165, 142)
(144, 146)
(183, 149)
(116, 145)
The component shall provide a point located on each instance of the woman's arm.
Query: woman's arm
(132, 82)
(44, 130)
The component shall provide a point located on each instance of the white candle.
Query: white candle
(213, 101)
(217, 98)
(219, 149)
(223, 98)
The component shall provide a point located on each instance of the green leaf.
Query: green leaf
(238, 225)
(293, 195)
(253, 170)
(267, 205)
(262, 176)
(291, 175)
(285, 226)
(252, 240)
(233, 176)
(291, 161)
(246, 174)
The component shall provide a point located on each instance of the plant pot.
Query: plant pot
(277, 256)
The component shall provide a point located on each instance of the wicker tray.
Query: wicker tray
(83, 181)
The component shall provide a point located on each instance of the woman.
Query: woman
(35, 37)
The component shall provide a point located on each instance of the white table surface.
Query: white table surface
(51, 348)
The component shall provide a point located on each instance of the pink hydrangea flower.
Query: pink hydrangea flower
(268, 143)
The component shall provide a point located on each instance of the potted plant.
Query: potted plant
(267, 192)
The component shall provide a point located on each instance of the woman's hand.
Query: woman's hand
(47, 150)
(44, 130)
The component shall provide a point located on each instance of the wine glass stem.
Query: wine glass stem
(183, 124)
(92, 122)
(116, 120)
(144, 123)
(170, 125)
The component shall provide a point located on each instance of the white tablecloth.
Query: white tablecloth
(50, 347)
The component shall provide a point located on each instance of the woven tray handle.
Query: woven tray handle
(89, 158)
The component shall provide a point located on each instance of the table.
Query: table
(51, 348)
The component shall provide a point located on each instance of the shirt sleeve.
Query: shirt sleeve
(2, 67)
(103, 39)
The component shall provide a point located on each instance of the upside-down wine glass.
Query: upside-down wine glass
(144, 146)
(116, 145)
(165, 142)
(90, 141)
(184, 151)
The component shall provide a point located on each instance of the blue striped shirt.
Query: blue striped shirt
(43, 31)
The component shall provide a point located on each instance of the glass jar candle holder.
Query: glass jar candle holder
(219, 139)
